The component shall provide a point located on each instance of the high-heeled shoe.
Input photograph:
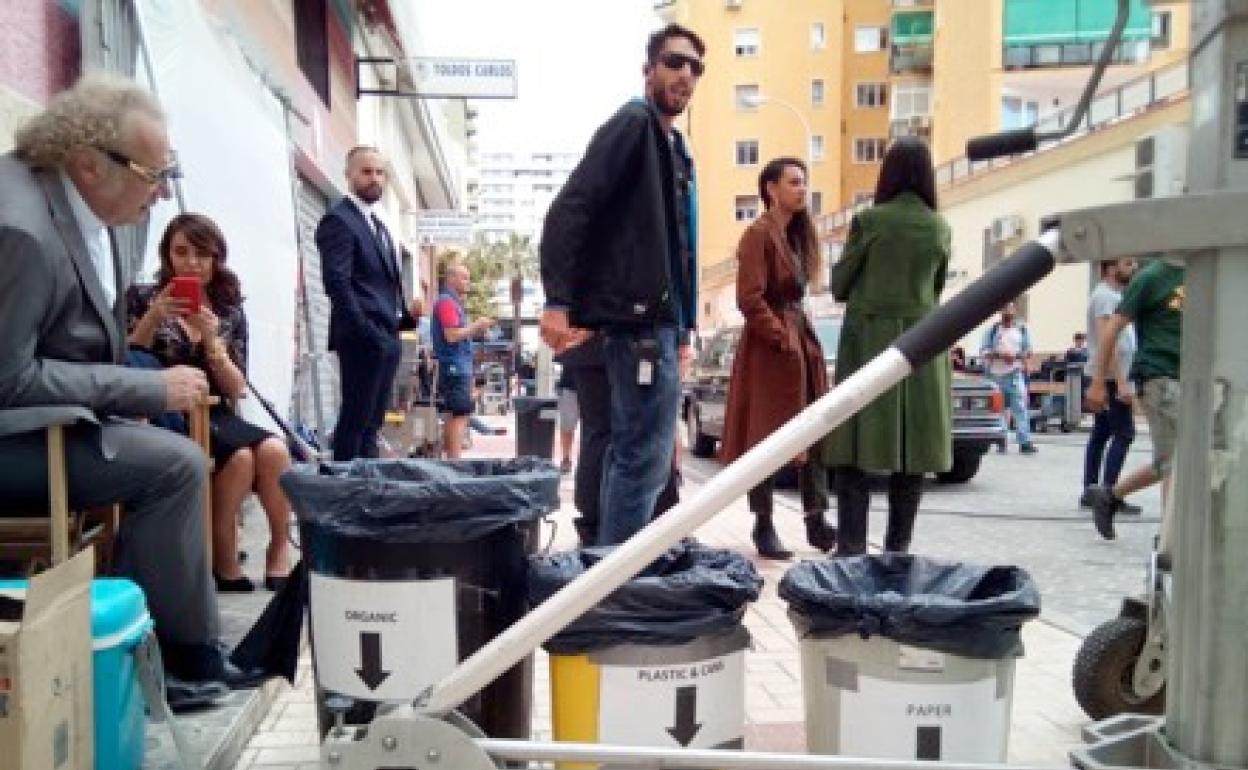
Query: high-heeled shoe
(239, 585)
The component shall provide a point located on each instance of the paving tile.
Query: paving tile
(287, 755)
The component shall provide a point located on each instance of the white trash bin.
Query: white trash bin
(877, 698)
(907, 658)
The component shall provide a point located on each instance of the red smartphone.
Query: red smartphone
(191, 289)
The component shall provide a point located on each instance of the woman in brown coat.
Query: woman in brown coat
(778, 369)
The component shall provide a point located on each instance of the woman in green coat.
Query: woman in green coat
(890, 275)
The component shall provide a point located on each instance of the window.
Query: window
(910, 99)
(818, 37)
(872, 94)
(746, 208)
(745, 42)
(1018, 113)
(747, 152)
(870, 39)
(1161, 30)
(816, 148)
(312, 44)
(816, 93)
(869, 150)
(816, 202)
(862, 197)
(747, 97)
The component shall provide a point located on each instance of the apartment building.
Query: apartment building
(514, 189)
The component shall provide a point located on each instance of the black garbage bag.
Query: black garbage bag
(689, 592)
(963, 609)
(420, 501)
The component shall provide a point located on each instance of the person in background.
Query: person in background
(246, 458)
(1077, 353)
(364, 281)
(957, 359)
(778, 369)
(1005, 351)
(452, 335)
(1153, 302)
(569, 415)
(619, 259)
(1114, 426)
(890, 276)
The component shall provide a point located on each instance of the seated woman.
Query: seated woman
(214, 339)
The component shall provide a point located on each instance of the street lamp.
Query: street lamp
(752, 100)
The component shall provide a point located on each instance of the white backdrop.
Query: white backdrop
(228, 131)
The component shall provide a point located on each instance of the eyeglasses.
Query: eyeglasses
(677, 61)
(152, 176)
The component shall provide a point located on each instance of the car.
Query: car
(978, 405)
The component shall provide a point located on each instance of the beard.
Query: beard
(369, 194)
(666, 104)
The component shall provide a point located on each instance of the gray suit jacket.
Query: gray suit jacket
(61, 344)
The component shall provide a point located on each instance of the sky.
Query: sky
(577, 61)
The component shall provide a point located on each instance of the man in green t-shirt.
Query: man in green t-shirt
(1153, 301)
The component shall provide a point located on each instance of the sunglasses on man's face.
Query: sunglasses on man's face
(677, 61)
(153, 176)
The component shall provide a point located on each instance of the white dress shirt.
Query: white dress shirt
(95, 235)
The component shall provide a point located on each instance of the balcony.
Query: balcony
(915, 125)
(912, 4)
(912, 58)
(912, 42)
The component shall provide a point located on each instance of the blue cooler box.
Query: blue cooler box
(119, 620)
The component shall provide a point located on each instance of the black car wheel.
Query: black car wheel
(965, 466)
(700, 444)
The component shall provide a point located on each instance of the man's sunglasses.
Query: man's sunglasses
(153, 176)
(677, 61)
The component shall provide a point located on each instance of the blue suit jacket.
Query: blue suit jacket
(363, 283)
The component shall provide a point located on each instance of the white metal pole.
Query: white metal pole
(935, 333)
(511, 646)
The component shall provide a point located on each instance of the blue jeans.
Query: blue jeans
(1014, 390)
(643, 429)
(1114, 426)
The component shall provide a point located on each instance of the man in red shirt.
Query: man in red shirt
(452, 343)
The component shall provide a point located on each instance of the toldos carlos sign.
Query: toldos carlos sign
(464, 78)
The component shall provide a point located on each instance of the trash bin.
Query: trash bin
(413, 566)
(661, 661)
(535, 426)
(119, 621)
(908, 658)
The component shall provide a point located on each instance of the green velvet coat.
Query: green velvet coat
(890, 275)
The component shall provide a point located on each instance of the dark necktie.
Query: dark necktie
(392, 261)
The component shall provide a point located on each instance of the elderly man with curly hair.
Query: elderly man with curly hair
(97, 158)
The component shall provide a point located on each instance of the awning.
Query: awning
(914, 28)
(1061, 22)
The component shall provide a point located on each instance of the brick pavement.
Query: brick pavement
(1046, 720)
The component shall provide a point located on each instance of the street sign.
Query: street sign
(382, 640)
(696, 705)
(463, 78)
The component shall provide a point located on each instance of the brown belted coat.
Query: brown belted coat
(778, 368)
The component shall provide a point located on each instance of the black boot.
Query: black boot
(853, 503)
(766, 540)
(904, 493)
(820, 534)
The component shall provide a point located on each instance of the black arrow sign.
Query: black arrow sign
(370, 671)
(686, 711)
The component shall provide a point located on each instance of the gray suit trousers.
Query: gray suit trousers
(159, 476)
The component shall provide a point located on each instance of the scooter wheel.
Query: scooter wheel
(1104, 669)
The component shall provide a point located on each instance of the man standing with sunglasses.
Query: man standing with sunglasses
(618, 261)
